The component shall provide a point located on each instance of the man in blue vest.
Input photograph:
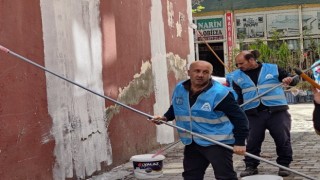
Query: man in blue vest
(206, 107)
(268, 112)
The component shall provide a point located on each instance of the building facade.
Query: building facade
(235, 25)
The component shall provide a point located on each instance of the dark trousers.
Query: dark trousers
(197, 159)
(279, 125)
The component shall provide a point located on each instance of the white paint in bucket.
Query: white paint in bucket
(146, 167)
(262, 177)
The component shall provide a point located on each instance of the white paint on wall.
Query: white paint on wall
(73, 49)
(179, 29)
(170, 13)
(178, 24)
(191, 56)
(165, 134)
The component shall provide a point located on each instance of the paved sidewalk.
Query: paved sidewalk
(306, 150)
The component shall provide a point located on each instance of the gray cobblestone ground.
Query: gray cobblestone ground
(306, 147)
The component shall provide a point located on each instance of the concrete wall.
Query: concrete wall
(131, 52)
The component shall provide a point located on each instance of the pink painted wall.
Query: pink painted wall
(126, 40)
(177, 45)
(23, 101)
(126, 43)
(24, 119)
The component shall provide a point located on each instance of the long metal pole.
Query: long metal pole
(72, 82)
(250, 100)
(246, 154)
(149, 116)
(269, 90)
(166, 148)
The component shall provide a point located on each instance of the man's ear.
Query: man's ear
(252, 60)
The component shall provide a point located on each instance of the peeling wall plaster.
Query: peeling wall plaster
(170, 13)
(72, 45)
(178, 66)
(178, 24)
(179, 29)
(140, 87)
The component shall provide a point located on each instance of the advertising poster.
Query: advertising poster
(252, 26)
(287, 24)
(311, 22)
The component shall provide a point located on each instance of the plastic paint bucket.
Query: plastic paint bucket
(262, 177)
(146, 167)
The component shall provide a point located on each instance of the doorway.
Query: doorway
(206, 54)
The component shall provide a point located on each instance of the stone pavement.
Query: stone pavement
(306, 150)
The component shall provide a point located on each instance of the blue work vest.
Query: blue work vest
(229, 78)
(267, 79)
(201, 117)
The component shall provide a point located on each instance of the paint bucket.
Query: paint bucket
(146, 167)
(262, 177)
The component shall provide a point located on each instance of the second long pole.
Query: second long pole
(150, 116)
